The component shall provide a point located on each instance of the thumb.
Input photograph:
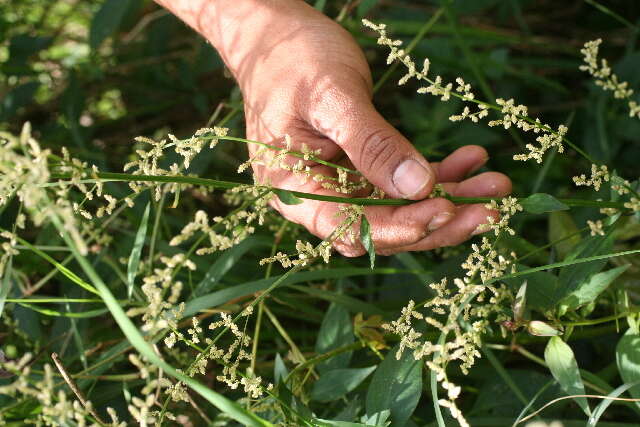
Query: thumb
(378, 150)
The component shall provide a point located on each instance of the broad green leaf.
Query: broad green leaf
(572, 276)
(106, 21)
(136, 251)
(225, 262)
(628, 359)
(335, 331)
(541, 202)
(561, 225)
(589, 289)
(287, 197)
(334, 384)
(367, 241)
(396, 386)
(564, 368)
(541, 287)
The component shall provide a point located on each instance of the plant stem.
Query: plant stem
(213, 183)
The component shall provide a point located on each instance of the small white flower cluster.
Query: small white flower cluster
(466, 310)
(517, 115)
(140, 408)
(230, 357)
(57, 407)
(605, 78)
(306, 252)
(599, 174)
(160, 310)
(512, 114)
(148, 161)
(633, 204)
(8, 249)
(300, 164)
(595, 227)
(24, 173)
(225, 232)
(507, 207)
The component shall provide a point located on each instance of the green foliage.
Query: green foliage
(628, 359)
(396, 386)
(367, 241)
(541, 203)
(92, 75)
(564, 368)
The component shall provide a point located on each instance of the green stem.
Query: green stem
(213, 183)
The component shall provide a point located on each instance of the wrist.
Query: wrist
(239, 29)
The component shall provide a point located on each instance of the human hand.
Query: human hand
(303, 75)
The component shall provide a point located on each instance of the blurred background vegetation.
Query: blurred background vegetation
(92, 74)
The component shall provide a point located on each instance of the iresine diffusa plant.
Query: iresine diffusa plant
(479, 301)
(178, 337)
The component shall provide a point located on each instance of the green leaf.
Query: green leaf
(18, 97)
(367, 242)
(597, 413)
(136, 251)
(628, 359)
(287, 197)
(564, 368)
(589, 289)
(561, 225)
(223, 296)
(6, 283)
(335, 331)
(334, 384)
(539, 203)
(572, 276)
(224, 263)
(320, 4)
(365, 6)
(280, 371)
(520, 302)
(396, 386)
(106, 21)
(72, 314)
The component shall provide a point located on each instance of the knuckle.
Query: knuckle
(349, 250)
(377, 150)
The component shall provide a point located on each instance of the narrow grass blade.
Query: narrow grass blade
(61, 268)
(597, 413)
(6, 284)
(136, 251)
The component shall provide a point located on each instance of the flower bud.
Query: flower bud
(541, 329)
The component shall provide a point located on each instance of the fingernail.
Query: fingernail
(410, 177)
(439, 220)
(482, 228)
